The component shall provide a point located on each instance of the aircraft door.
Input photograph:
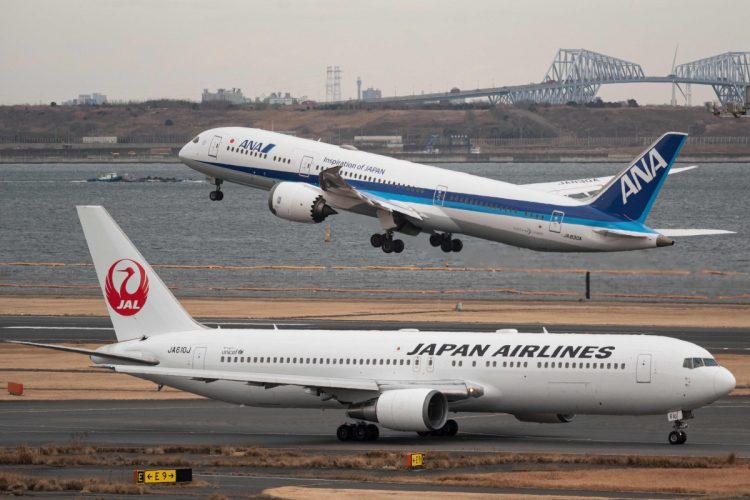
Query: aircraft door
(213, 148)
(643, 369)
(304, 166)
(439, 197)
(199, 358)
(555, 222)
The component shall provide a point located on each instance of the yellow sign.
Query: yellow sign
(414, 460)
(151, 476)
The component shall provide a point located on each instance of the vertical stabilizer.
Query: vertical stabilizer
(139, 303)
(631, 193)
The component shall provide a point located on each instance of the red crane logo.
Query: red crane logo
(131, 295)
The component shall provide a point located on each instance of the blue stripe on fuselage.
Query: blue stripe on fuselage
(583, 215)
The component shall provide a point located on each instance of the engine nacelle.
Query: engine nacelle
(299, 202)
(418, 409)
(545, 418)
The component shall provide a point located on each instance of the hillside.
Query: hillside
(181, 119)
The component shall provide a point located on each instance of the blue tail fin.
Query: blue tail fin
(631, 193)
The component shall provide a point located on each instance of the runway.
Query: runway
(718, 429)
(86, 329)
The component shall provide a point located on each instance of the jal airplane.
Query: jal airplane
(309, 181)
(403, 380)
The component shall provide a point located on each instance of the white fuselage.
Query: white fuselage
(518, 373)
(450, 202)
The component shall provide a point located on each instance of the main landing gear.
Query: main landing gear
(387, 243)
(446, 242)
(216, 194)
(358, 432)
(449, 428)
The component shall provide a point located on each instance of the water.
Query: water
(175, 223)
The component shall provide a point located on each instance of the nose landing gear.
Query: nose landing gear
(446, 242)
(387, 243)
(678, 435)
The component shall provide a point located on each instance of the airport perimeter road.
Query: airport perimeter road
(718, 429)
(99, 329)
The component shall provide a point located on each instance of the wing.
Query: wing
(584, 187)
(331, 181)
(454, 390)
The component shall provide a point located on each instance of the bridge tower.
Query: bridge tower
(575, 75)
(729, 72)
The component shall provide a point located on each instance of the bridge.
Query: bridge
(576, 75)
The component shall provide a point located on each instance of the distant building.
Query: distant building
(233, 96)
(379, 141)
(94, 99)
(371, 93)
(285, 99)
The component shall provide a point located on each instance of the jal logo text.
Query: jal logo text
(126, 287)
(640, 174)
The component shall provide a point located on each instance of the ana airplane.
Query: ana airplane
(310, 181)
(404, 380)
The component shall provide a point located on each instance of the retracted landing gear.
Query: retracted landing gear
(358, 432)
(387, 243)
(450, 428)
(216, 194)
(678, 435)
(446, 242)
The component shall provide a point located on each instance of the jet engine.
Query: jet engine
(545, 418)
(418, 409)
(299, 202)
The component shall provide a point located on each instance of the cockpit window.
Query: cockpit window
(197, 138)
(698, 362)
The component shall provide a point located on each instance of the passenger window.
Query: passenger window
(222, 359)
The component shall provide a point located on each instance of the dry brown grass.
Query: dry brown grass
(732, 481)
(18, 484)
(235, 456)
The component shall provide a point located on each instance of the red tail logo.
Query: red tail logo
(130, 297)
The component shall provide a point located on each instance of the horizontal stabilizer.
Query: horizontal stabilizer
(587, 187)
(88, 352)
(621, 233)
(678, 233)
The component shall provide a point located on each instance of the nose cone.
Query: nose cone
(724, 382)
(184, 152)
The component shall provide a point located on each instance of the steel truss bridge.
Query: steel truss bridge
(576, 75)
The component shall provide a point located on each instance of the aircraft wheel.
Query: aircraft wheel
(683, 437)
(212, 195)
(446, 246)
(457, 245)
(219, 195)
(387, 245)
(451, 427)
(373, 433)
(344, 432)
(376, 240)
(423, 433)
(436, 239)
(674, 437)
(360, 432)
(398, 246)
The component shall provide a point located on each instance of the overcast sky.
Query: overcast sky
(53, 50)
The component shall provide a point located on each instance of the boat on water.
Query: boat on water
(110, 177)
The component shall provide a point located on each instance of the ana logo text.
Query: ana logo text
(126, 287)
(645, 170)
(256, 146)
